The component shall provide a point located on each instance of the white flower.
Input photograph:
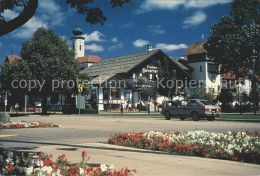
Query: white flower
(81, 171)
(46, 169)
(58, 172)
(28, 170)
(230, 146)
(9, 160)
(111, 167)
(39, 163)
(103, 167)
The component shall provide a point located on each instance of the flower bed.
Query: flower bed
(237, 146)
(22, 163)
(25, 124)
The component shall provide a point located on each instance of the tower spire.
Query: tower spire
(78, 42)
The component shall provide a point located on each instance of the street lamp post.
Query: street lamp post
(6, 98)
(110, 96)
(254, 83)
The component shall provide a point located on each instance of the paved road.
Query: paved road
(85, 129)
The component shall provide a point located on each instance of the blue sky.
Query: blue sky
(170, 25)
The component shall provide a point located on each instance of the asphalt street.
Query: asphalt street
(88, 129)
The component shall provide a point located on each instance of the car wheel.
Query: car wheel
(167, 116)
(195, 116)
(211, 118)
(182, 118)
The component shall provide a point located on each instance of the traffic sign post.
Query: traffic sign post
(80, 89)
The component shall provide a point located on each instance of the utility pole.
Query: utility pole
(254, 82)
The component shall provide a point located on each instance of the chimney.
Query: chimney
(149, 47)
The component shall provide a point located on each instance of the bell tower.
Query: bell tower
(78, 42)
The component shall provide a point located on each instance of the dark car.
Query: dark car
(195, 108)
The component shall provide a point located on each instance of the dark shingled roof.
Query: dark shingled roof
(195, 48)
(177, 62)
(121, 64)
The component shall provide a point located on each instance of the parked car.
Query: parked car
(195, 108)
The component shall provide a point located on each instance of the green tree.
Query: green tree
(48, 60)
(201, 93)
(149, 92)
(234, 38)
(226, 99)
(167, 78)
(94, 15)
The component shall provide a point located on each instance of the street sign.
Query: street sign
(80, 88)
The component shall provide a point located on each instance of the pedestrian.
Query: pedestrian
(16, 107)
(135, 105)
(130, 107)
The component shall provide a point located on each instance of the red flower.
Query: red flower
(84, 153)
(220, 152)
(62, 157)
(10, 167)
(134, 170)
(235, 158)
(196, 147)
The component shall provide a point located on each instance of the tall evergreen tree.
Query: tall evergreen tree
(167, 78)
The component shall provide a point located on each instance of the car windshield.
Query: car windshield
(206, 102)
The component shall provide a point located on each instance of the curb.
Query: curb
(239, 120)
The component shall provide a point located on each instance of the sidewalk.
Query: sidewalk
(148, 162)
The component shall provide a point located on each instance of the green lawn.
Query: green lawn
(157, 115)
(240, 117)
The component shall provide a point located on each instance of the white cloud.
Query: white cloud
(204, 3)
(48, 14)
(54, 15)
(94, 48)
(114, 40)
(157, 29)
(116, 46)
(197, 18)
(95, 36)
(127, 26)
(170, 47)
(150, 5)
(140, 43)
(27, 30)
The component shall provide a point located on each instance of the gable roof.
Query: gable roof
(195, 48)
(89, 59)
(177, 62)
(121, 64)
(11, 58)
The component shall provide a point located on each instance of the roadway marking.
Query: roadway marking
(8, 135)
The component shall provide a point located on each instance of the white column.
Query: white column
(100, 99)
